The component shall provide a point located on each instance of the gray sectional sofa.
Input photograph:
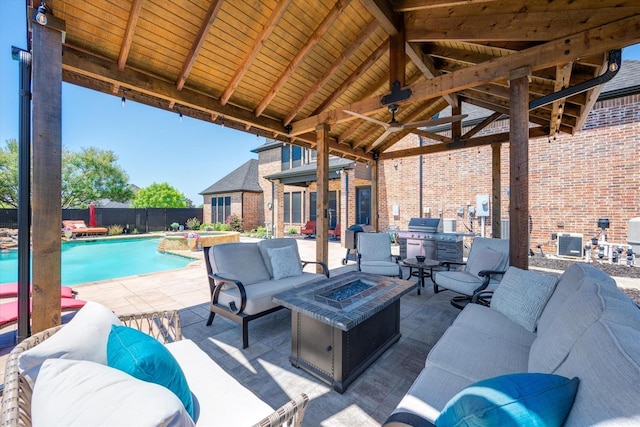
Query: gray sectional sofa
(587, 329)
(244, 276)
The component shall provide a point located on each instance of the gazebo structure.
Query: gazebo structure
(325, 75)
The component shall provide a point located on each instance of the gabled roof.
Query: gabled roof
(244, 178)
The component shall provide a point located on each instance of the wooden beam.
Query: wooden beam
(480, 141)
(483, 124)
(205, 27)
(425, 64)
(519, 170)
(382, 12)
(264, 34)
(322, 200)
(496, 191)
(339, 62)
(411, 5)
(591, 98)
(129, 32)
(563, 76)
(375, 195)
(47, 177)
(607, 37)
(431, 135)
(424, 26)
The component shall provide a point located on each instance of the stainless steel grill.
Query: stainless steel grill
(424, 236)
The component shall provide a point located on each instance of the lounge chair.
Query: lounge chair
(9, 290)
(374, 255)
(78, 226)
(335, 233)
(9, 310)
(309, 229)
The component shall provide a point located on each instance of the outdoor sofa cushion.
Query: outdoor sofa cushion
(239, 261)
(284, 262)
(266, 244)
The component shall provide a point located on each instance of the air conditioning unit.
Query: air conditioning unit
(570, 245)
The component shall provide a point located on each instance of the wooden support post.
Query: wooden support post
(375, 191)
(496, 190)
(397, 58)
(456, 127)
(519, 168)
(322, 204)
(47, 176)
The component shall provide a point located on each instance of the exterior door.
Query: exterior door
(363, 205)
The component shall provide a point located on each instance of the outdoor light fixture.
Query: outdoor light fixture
(41, 16)
(124, 99)
(180, 114)
(222, 124)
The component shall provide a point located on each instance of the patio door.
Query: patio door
(363, 205)
(333, 208)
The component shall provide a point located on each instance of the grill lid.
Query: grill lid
(428, 225)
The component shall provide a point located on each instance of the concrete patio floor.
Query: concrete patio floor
(264, 367)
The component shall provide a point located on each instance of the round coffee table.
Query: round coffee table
(421, 266)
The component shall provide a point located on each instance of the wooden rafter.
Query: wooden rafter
(563, 77)
(425, 64)
(590, 98)
(593, 41)
(355, 45)
(383, 13)
(129, 32)
(257, 45)
(328, 20)
(411, 5)
(483, 124)
(207, 23)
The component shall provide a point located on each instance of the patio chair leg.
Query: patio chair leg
(211, 316)
(460, 302)
(245, 334)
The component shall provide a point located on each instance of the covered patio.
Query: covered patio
(315, 74)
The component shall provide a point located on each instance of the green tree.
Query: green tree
(92, 174)
(9, 174)
(159, 196)
(88, 175)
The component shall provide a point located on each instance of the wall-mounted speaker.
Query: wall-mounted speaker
(570, 245)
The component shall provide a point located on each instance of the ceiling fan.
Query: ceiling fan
(395, 126)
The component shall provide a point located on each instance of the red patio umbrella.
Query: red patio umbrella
(92, 215)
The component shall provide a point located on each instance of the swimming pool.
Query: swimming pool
(102, 259)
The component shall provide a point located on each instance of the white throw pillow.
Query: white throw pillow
(284, 262)
(83, 338)
(82, 393)
(522, 295)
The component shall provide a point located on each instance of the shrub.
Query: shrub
(193, 223)
(135, 231)
(260, 232)
(293, 230)
(205, 226)
(235, 223)
(174, 226)
(114, 230)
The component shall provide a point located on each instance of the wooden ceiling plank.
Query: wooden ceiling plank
(601, 39)
(253, 52)
(364, 35)
(412, 5)
(328, 20)
(425, 64)
(207, 23)
(421, 27)
(372, 59)
(127, 40)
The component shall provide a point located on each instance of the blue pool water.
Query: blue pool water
(99, 260)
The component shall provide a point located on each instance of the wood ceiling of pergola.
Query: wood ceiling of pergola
(280, 68)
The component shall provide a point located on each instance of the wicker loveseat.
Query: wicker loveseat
(221, 400)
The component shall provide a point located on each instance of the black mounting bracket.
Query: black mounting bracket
(397, 94)
(288, 129)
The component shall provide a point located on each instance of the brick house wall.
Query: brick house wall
(573, 180)
(253, 210)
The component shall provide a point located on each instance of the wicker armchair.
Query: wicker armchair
(163, 326)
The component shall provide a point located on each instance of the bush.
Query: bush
(293, 230)
(260, 232)
(235, 223)
(193, 223)
(205, 226)
(115, 230)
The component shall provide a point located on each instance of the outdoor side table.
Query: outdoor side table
(421, 267)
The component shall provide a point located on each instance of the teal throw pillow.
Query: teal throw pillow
(512, 400)
(145, 358)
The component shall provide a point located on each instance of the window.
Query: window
(292, 207)
(363, 205)
(220, 209)
(292, 156)
(333, 208)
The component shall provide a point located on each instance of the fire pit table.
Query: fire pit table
(341, 325)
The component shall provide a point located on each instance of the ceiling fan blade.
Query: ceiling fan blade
(370, 119)
(381, 138)
(433, 122)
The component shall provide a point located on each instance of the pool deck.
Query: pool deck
(264, 366)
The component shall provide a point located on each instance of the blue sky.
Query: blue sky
(152, 145)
